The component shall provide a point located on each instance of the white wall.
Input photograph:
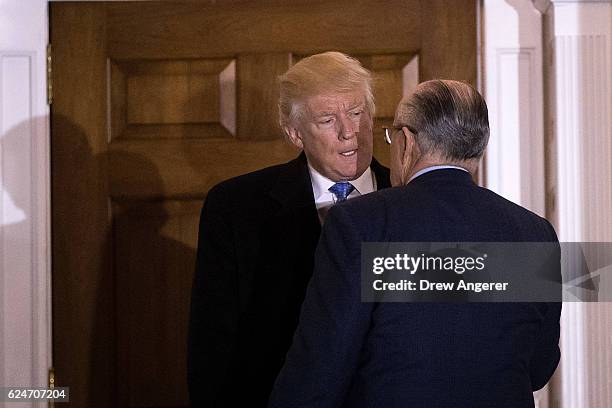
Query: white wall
(565, 45)
(578, 41)
(25, 341)
(513, 88)
(514, 161)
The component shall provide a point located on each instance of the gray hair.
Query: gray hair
(448, 118)
(329, 72)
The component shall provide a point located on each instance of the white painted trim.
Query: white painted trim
(580, 37)
(513, 88)
(25, 266)
(579, 119)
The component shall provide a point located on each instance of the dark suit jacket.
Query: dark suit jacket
(355, 354)
(258, 234)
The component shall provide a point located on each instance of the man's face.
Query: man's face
(336, 135)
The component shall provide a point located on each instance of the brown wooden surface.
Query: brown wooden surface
(187, 168)
(155, 102)
(193, 29)
(258, 74)
(151, 329)
(169, 98)
(448, 47)
(83, 295)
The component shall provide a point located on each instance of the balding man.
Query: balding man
(349, 353)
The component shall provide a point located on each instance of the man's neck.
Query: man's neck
(470, 165)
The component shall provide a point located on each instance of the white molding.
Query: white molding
(584, 136)
(15, 82)
(580, 37)
(577, 1)
(25, 265)
(513, 88)
(541, 5)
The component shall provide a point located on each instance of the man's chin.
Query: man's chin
(345, 176)
(352, 175)
(350, 172)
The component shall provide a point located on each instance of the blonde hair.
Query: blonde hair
(329, 72)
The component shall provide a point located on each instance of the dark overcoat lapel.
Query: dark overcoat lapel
(297, 213)
(381, 174)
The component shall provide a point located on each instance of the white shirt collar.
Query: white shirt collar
(432, 168)
(364, 184)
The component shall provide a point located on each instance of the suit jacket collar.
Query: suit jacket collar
(293, 186)
(443, 176)
(297, 219)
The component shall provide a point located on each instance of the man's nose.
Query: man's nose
(348, 127)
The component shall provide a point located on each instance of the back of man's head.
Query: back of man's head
(448, 118)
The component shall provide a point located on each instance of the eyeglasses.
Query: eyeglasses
(388, 132)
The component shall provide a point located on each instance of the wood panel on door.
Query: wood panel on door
(156, 102)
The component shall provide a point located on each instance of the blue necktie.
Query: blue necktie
(341, 190)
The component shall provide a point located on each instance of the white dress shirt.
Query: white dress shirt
(324, 199)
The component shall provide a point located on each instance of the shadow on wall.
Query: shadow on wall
(15, 183)
(16, 254)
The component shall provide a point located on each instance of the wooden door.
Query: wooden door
(155, 102)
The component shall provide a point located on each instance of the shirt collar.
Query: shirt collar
(364, 184)
(432, 168)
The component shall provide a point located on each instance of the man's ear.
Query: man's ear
(412, 153)
(294, 135)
